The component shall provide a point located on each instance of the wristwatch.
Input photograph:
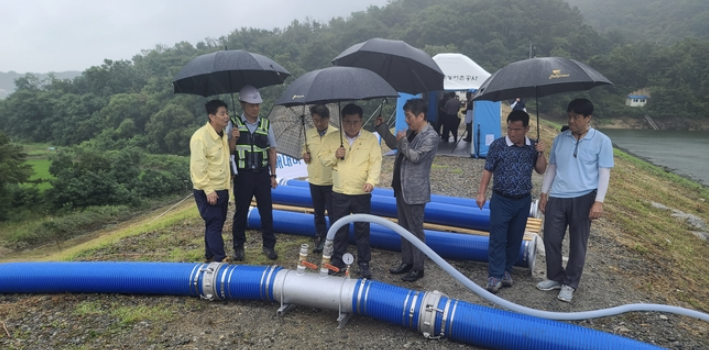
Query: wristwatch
(273, 175)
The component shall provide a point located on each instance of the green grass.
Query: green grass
(661, 239)
(38, 149)
(126, 315)
(87, 308)
(41, 172)
(129, 315)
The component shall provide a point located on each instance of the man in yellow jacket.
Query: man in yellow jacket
(209, 170)
(356, 165)
(319, 176)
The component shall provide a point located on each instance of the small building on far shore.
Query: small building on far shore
(637, 98)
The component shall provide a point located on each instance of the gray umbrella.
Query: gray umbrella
(335, 84)
(290, 123)
(539, 77)
(224, 72)
(404, 67)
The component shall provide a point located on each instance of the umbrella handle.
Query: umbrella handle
(536, 102)
(305, 134)
(342, 127)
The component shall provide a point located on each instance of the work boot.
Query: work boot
(403, 268)
(270, 253)
(239, 253)
(413, 276)
(364, 271)
(320, 245)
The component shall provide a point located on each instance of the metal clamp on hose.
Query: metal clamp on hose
(209, 281)
(429, 311)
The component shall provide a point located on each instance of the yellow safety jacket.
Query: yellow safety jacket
(317, 173)
(362, 163)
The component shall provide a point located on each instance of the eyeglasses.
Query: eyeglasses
(576, 150)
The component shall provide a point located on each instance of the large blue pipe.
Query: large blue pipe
(378, 191)
(448, 245)
(435, 212)
(432, 313)
(244, 282)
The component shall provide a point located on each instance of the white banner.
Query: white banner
(460, 72)
(290, 168)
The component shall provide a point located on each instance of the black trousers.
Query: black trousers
(440, 124)
(248, 184)
(450, 126)
(343, 205)
(322, 200)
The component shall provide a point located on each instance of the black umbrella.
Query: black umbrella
(224, 72)
(404, 67)
(335, 84)
(539, 77)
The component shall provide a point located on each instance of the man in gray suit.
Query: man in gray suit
(412, 167)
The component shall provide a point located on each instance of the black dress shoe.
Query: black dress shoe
(270, 253)
(403, 268)
(364, 271)
(320, 245)
(239, 253)
(412, 276)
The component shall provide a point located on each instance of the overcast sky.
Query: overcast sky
(58, 35)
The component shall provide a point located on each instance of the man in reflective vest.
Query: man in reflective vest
(255, 157)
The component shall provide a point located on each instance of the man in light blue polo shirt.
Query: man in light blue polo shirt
(578, 176)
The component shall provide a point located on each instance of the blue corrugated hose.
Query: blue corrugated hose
(448, 245)
(477, 325)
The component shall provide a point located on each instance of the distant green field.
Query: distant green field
(41, 171)
(37, 149)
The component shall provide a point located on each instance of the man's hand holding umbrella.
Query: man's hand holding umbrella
(340, 153)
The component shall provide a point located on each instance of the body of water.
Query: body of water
(685, 152)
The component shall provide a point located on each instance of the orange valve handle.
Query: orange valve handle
(332, 267)
(310, 265)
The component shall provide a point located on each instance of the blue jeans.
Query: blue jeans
(214, 217)
(508, 219)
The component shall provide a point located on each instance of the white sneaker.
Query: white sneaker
(548, 285)
(566, 294)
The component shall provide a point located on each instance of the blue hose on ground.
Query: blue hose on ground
(498, 329)
(435, 212)
(444, 317)
(448, 245)
(492, 297)
(238, 281)
(378, 191)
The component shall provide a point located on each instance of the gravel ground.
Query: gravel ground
(89, 321)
